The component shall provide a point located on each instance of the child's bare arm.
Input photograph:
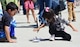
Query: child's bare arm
(37, 29)
(74, 29)
(7, 32)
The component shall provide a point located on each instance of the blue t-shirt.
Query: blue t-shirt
(6, 19)
(70, 0)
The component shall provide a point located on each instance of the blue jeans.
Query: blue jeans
(41, 4)
(12, 32)
(41, 19)
(2, 34)
(12, 28)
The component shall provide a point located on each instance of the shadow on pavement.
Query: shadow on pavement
(30, 26)
(3, 40)
(40, 40)
(21, 22)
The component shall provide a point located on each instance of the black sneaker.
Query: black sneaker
(73, 20)
(13, 37)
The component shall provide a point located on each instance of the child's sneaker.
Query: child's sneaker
(13, 37)
(52, 38)
(36, 39)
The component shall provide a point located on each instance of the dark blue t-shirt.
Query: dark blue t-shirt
(6, 19)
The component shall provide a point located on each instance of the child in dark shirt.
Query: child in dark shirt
(56, 28)
(11, 10)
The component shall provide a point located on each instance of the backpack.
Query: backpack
(62, 5)
(58, 5)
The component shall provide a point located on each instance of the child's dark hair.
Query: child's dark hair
(11, 6)
(49, 14)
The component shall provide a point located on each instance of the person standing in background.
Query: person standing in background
(22, 3)
(3, 2)
(15, 1)
(71, 12)
(29, 5)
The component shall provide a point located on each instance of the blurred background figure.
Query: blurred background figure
(70, 4)
(3, 2)
(44, 3)
(22, 4)
(17, 2)
(29, 5)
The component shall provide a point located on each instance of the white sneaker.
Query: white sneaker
(52, 38)
(36, 39)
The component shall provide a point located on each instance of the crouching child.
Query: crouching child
(56, 28)
(5, 23)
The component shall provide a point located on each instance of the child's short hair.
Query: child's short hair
(11, 6)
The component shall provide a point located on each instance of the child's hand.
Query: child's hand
(75, 30)
(36, 29)
(12, 41)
